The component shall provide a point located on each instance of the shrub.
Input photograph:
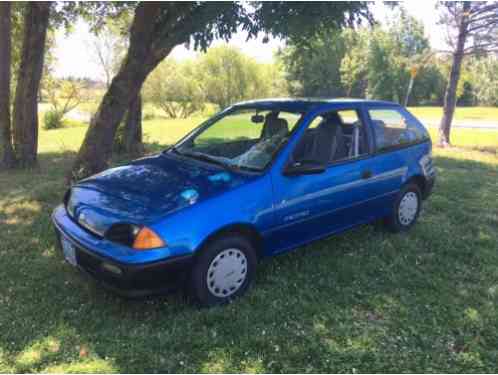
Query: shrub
(174, 88)
(210, 110)
(52, 119)
(148, 116)
(64, 95)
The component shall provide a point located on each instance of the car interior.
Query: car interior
(335, 138)
(392, 135)
(274, 125)
(274, 128)
(332, 140)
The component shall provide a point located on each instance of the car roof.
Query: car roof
(307, 104)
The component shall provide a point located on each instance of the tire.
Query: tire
(406, 209)
(223, 271)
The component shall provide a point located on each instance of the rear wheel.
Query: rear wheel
(406, 209)
(223, 271)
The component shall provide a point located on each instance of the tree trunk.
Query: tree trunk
(450, 97)
(25, 129)
(133, 128)
(141, 59)
(7, 159)
(409, 91)
(130, 139)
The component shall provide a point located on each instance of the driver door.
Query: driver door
(308, 207)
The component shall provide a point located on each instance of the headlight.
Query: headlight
(137, 237)
(427, 165)
(69, 203)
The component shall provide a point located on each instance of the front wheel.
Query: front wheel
(406, 209)
(223, 271)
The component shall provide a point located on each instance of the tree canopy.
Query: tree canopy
(363, 62)
(159, 27)
(472, 29)
(175, 88)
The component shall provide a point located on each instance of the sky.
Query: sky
(73, 57)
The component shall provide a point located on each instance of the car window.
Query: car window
(231, 128)
(315, 122)
(392, 128)
(332, 136)
(349, 116)
(243, 138)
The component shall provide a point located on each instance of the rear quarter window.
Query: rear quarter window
(393, 128)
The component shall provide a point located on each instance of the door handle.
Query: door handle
(366, 174)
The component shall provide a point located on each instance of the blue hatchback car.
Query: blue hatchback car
(258, 179)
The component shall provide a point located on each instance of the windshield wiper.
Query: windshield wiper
(246, 168)
(213, 160)
(207, 158)
(173, 149)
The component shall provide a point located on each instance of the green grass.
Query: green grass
(461, 113)
(363, 301)
(162, 131)
(472, 138)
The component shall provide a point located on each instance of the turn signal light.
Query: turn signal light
(147, 239)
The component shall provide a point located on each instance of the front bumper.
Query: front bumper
(129, 280)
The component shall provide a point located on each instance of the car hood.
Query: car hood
(148, 189)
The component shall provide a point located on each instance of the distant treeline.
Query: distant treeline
(367, 62)
(378, 62)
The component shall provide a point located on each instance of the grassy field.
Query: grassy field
(364, 301)
(462, 114)
(161, 131)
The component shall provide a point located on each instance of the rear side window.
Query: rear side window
(393, 128)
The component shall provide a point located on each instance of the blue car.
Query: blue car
(258, 179)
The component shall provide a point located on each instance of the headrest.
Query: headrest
(379, 123)
(274, 125)
(333, 118)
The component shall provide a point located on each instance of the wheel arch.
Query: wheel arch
(245, 230)
(420, 181)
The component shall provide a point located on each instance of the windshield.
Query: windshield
(243, 138)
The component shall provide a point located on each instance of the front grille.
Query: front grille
(155, 277)
(93, 266)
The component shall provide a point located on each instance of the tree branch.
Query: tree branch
(494, 21)
(479, 9)
(479, 48)
(483, 18)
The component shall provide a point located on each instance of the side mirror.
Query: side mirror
(304, 167)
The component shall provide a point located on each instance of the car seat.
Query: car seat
(329, 142)
(324, 144)
(274, 125)
(380, 134)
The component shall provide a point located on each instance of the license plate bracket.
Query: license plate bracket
(69, 251)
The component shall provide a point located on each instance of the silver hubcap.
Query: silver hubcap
(227, 272)
(408, 208)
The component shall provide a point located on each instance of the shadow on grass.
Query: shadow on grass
(467, 164)
(362, 301)
(493, 150)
